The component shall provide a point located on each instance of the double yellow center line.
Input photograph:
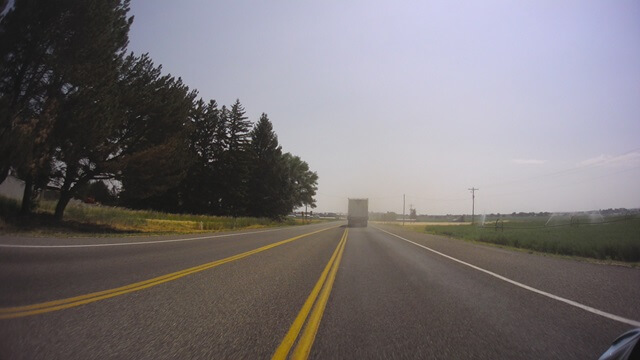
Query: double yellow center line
(45, 307)
(321, 292)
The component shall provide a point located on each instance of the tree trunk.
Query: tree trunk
(26, 196)
(65, 196)
(66, 193)
(4, 172)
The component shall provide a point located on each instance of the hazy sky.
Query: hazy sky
(536, 103)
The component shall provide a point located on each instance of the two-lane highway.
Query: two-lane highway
(322, 291)
(231, 310)
(395, 299)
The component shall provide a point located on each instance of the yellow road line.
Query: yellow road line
(322, 287)
(303, 348)
(20, 311)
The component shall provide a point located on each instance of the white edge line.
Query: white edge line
(527, 287)
(138, 242)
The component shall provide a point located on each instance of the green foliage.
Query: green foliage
(60, 61)
(29, 43)
(267, 182)
(201, 190)
(235, 161)
(153, 142)
(302, 182)
(260, 182)
(75, 109)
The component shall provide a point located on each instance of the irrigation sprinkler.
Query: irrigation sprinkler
(575, 221)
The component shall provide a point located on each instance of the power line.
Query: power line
(545, 188)
(564, 171)
(436, 199)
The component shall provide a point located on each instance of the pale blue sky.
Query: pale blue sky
(536, 103)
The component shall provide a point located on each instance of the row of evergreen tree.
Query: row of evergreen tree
(76, 108)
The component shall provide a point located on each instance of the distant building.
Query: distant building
(12, 188)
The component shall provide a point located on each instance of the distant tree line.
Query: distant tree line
(77, 109)
(388, 216)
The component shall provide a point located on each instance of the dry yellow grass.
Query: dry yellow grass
(158, 225)
(180, 226)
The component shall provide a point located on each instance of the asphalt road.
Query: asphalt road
(316, 290)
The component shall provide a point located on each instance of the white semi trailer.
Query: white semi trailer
(358, 212)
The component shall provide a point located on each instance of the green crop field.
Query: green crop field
(610, 238)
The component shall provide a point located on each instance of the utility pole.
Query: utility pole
(473, 202)
(403, 203)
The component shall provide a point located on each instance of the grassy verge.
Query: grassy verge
(81, 219)
(617, 240)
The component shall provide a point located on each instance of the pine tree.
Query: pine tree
(153, 154)
(235, 163)
(200, 190)
(89, 111)
(267, 173)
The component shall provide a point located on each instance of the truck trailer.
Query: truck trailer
(358, 214)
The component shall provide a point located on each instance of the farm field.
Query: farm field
(423, 223)
(603, 238)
